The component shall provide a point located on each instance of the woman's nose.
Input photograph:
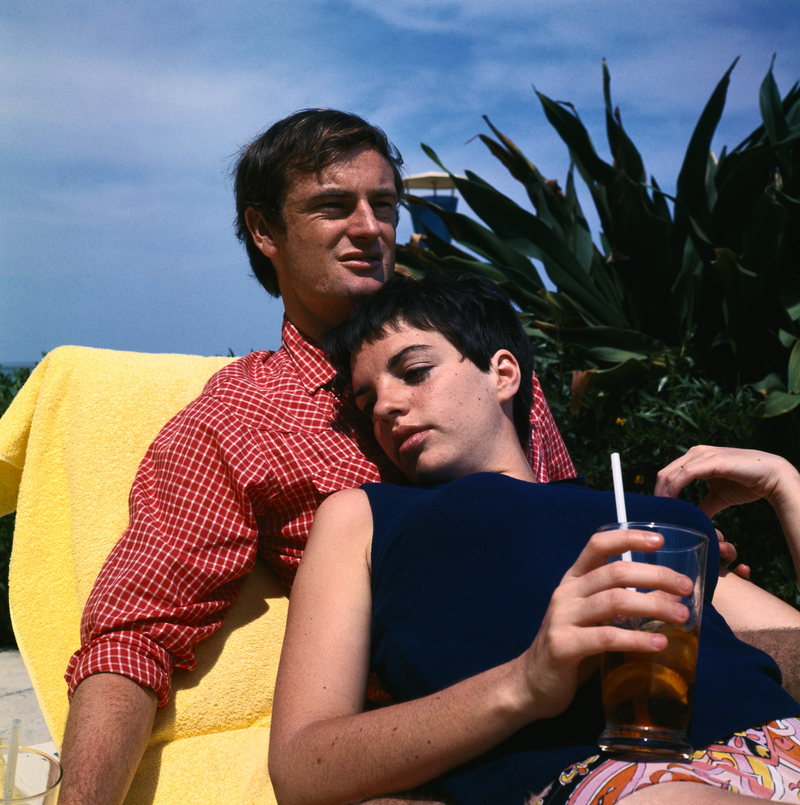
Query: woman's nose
(389, 404)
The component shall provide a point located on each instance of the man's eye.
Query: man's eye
(385, 211)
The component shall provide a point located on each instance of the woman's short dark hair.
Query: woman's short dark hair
(305, 142)
(473, 313)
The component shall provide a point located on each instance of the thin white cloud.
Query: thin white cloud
(118, 121)
(566, 22)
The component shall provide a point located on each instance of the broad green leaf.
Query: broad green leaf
(477, 238)
(771, 383)
(510, 155)
(565, 312)
(793, 383)
(712, 166)
(625, 374)
(777, 403)
(741, 179)
(762, 237)
(503, 277)
(641, 259)
(791, 204)
(769, 101)
(691, 179)
(579, 237)
(626, 157)
(573, 133)
(660, 203)
(544, 195)
(528, 235)
(607, 344)
(730, 276)
(431, 154)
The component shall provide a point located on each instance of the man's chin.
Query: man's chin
(378, 276)
(365, 287)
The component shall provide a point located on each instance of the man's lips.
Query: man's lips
(363, 259)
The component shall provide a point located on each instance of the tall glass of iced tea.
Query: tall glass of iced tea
(647, 698)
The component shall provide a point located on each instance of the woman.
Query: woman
(482, 598)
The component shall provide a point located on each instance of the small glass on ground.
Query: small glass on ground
(37, 779)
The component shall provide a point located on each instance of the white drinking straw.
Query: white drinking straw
(619, 497)
(11, 760)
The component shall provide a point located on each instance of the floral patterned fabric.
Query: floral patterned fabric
(761, 762)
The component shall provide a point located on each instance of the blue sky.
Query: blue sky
(119, 119)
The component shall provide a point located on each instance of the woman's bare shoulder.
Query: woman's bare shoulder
(348, 505)
(342, 526)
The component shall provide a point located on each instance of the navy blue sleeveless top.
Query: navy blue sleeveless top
(462, 575)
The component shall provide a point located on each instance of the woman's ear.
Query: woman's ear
(262, 232)
(508, 374)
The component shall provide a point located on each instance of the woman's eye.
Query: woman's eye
(416, 374)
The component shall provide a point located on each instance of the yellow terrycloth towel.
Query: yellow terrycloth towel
(69, 447)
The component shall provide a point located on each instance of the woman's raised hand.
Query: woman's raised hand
(577, 627)
(734, 476)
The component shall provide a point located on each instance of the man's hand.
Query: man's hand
(727, 556)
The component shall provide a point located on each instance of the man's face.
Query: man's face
(338, 239)
(435, 413)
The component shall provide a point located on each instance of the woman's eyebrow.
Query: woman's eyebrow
(394, 360)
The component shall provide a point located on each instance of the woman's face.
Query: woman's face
(435, 414)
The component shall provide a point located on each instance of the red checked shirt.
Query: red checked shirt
(239, 472)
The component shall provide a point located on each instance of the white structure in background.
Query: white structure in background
(439, 183)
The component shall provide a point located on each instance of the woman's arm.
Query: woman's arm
(325, 749)
(736, 476)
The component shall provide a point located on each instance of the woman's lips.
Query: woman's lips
(409, 437)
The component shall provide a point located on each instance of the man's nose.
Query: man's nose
(363, 223)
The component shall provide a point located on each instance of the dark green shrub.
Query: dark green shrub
(10, 383)
(655, 423)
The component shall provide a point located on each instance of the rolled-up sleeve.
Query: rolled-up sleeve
(191, 539)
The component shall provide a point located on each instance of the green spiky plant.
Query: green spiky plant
(712, 273)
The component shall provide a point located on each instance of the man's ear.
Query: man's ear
(508, 374)
(262, 232)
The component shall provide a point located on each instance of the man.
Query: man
(242, 470)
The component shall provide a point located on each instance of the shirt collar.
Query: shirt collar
(313, 369)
